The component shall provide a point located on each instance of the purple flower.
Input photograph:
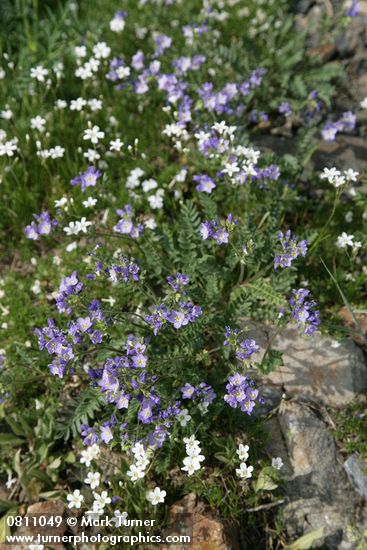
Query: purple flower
(241, 393)
(178, 319)
(137, 61)
(106, 433)
(243, 347)
(353, 9)
(303, 311)
(285, 109)
(178, 281)
(87, 179)
(291, 249)
(125, 225)
(44, 227)
(84, 324)
(205, 184)
(188, 391)
(221, 236)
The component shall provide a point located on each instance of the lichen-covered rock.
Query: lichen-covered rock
(319, 368)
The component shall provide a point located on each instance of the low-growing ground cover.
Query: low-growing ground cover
(141, 233)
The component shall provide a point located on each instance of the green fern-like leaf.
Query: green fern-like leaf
(78, 412)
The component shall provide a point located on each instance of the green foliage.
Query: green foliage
(78, 411)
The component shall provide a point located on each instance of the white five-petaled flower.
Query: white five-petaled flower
(93, 134)
(242, 452)
(364, 103)
(89, 454)
(345, 240)
(116, 144)
(75, 499)
(101, 500)
(101, 50)
(38, 123)
(39, 73)
(93, 479)
(244, 471)
(119, 518)
(183, 417)
(135, 472)
(90, 202)
(156, 496)
(277, 463)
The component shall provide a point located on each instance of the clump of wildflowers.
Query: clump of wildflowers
(291, 249)
(241, 393)
(336, 178)
(243, 347)
(304, 312)
(203, 392)
(43, 226)
(219, 232)
(192, 462)
(244, 471)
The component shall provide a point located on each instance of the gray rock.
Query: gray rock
(315, 483)
(316, 367)
(357, 473)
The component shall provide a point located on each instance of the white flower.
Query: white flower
(39, 73)
(148, 185)
(93, 479)
(6, 114)
(61, 104)
(80, 51)
(242, 452)
(335, 177)
(156, 201)
(364, 103)
(8, 148)
(345, 240)
(89, 454)
(135, 472)
(231, 168)
(117, 24)
(150, 223)
(244, 471)
(191, 443)
(36, 547)
(91, 155)
(351, 175)
(72, 229)
(192, 464)
(57, 152)
(36, 287)
(156, 496)
(277, 463)
(90, 202)
(123, 72)
(220, 127)
(77, 104)
(101, 500)
(183, 417)
(75, 499)
(95, 104)
(2, 73)
(115, 145)
(138, 450)
(93, 134)
(83, 225)
(72, 246)
(101, 50)
(120, 518)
